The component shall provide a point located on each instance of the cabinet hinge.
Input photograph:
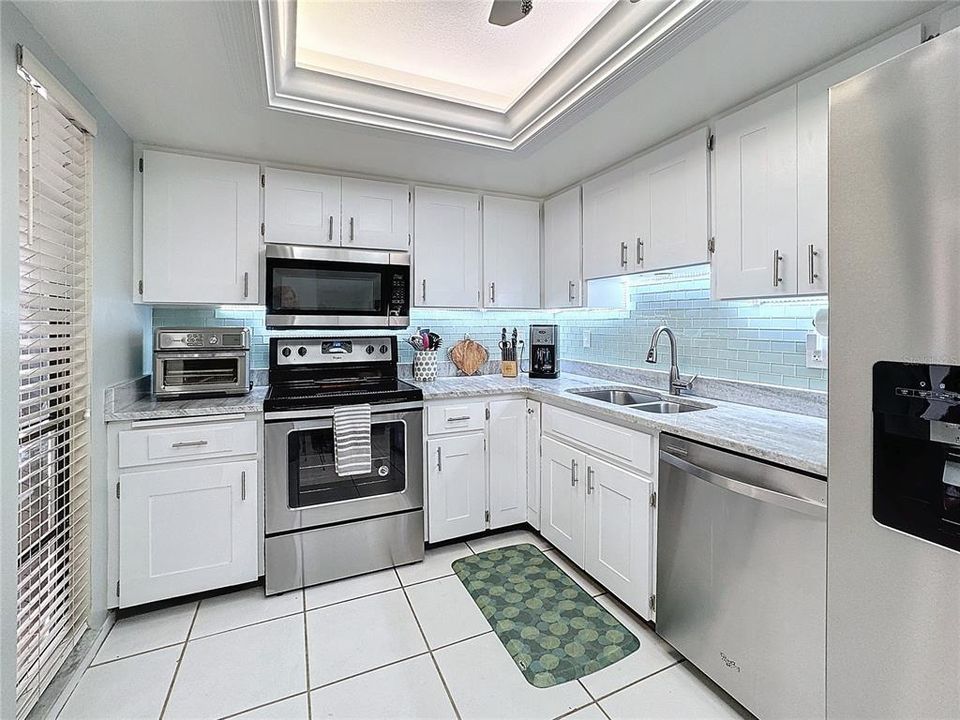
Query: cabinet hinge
(118, 588)
(118, 491)
(263, 229)
(653, 602)
(711, 141)
(140, 287)
(486, 515)
(711, 245)
(263, 180)
(653, 499)
(140, 164)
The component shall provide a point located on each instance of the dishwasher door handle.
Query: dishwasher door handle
(773, 497)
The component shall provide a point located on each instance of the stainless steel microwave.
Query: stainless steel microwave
(320, 287)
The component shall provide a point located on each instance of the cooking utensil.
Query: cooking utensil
(468, 356)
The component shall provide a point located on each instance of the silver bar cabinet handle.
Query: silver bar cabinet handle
(623, 254)
(246, 284)
(639, 251)
(189, 443)
(811, 254)
(777, 258)
(573, 473)
(351, 229)
(458, 418)
(493, 292)
(439, 461)
(243, 485)
(590, 474)
(424, 292)
(330, 230)
(571, 296)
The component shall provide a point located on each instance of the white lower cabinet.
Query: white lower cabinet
(456, 478)
(186, 529)
(476, 476)
(562, 505)
(618, 538)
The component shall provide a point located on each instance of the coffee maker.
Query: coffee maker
(543, 351)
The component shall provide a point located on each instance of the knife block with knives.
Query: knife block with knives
(509, 367)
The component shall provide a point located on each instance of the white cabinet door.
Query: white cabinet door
(457, 485)
(813, 105)
(756, 185)
(187, 529)
(673, 209)
(301, 208)
(562, 472)
(201, 230)
(507, 452)
(610, 223)
(562, 251)
(533, 463)
(618, 533)
(375, 214)
(446, 248)
(511, 252)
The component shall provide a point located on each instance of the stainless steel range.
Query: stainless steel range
(321, 525)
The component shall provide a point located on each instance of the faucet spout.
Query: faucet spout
(676, 385)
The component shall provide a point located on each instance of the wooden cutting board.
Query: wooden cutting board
(469, 356)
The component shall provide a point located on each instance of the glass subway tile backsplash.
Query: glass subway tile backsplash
(752, 341)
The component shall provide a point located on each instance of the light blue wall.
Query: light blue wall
(738, 340)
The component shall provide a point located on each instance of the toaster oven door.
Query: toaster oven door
(176, 374)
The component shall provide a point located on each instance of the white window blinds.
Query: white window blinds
(53, 555)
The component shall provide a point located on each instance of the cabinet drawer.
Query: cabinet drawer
(187, 442)
(631, 448)
(455, 417)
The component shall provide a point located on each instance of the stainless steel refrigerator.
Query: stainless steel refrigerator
(893, 520)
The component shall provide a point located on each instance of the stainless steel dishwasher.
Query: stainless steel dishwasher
(741, 576)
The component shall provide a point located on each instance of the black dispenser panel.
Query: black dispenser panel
(916, 450)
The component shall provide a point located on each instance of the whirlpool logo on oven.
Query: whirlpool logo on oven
(731, 664)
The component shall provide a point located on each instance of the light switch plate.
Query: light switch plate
(586, 338)
(816, 350)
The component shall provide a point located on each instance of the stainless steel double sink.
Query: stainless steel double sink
(642, 401)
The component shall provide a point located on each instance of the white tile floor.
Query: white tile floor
(405, 643)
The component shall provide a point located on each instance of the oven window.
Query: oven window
(325, 291)
(313, 473)
(191, 372)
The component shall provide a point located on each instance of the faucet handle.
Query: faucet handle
(686, 385)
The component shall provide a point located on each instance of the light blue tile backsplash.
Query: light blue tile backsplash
(752, 341)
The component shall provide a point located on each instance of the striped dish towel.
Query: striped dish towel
(351, 439)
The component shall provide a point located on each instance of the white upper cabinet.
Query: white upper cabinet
(446, 259)
(756, 196)
(673, 226)
(201, 230)
(562, 284)
(301, 208)
(511, 253)
(610, 223)
(375, 214)
(813, 105)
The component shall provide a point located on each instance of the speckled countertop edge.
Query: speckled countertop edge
(789, 439)
(149, 408)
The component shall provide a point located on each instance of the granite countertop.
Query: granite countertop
(149, 408)
(796, 441)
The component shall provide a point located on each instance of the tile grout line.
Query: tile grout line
(602, 711)
(577, 709)
(637, 681)
(176, 670)
(266, 704)
(436, 665)
(136, 654)
(306, 651)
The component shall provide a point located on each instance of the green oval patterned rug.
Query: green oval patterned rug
(551, 627)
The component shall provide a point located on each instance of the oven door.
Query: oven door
(336, 287)
(303, 489)
(200, 373)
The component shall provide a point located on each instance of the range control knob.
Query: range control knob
(301, 351)
(285, 352)
(369, 349)
(383, 349)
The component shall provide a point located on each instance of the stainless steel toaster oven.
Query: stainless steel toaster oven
(190, 362)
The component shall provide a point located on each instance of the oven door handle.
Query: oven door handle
(324, 416)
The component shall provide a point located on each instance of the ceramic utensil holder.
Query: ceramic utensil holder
(425, 365)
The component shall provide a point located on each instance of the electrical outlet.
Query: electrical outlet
(586, 338)
(816, 350)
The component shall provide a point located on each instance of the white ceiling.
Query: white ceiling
(189, 75)
(438, 47)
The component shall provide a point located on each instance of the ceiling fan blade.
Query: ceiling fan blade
(507, 12)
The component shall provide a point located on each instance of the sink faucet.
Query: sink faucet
(676, 384)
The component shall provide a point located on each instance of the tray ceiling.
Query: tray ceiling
(438, 68)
